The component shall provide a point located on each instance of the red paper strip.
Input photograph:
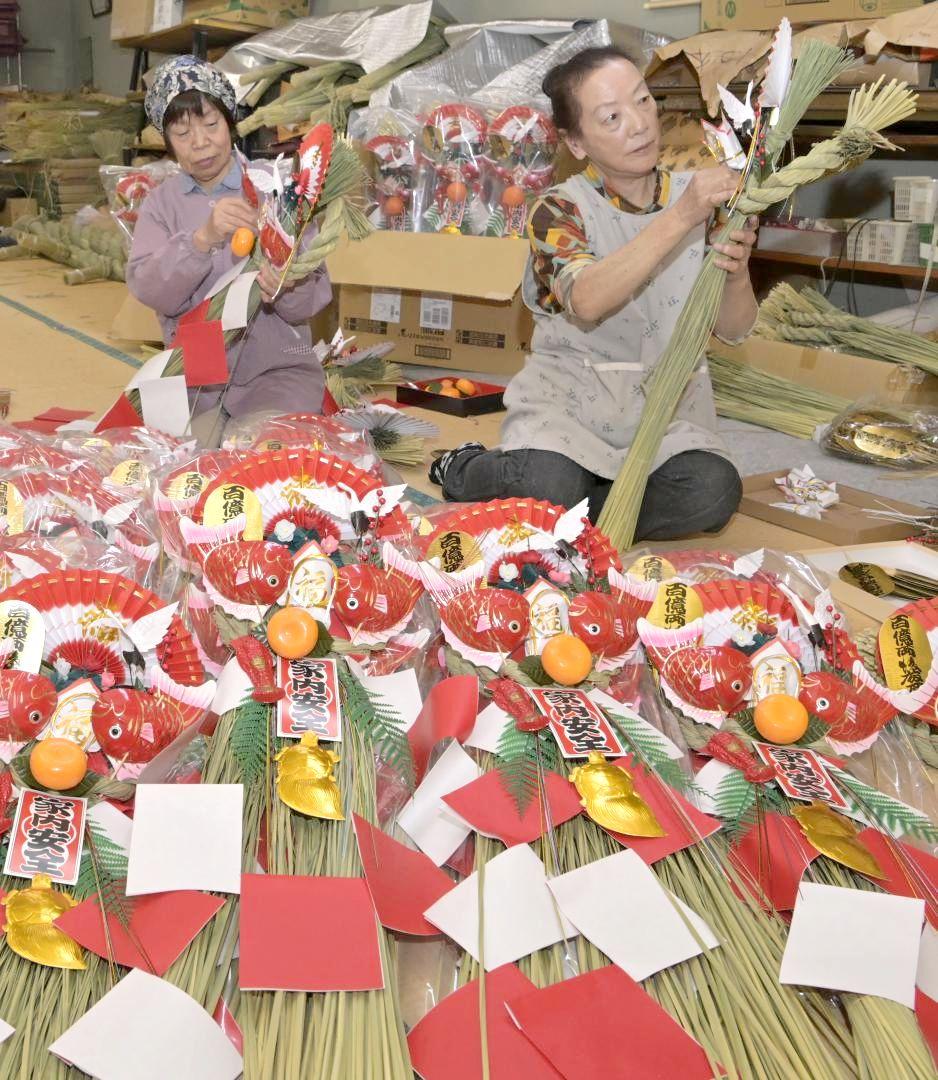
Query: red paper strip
(403, 883)
(198, 314)
(120, 415)
(491, 810)
(682, 822)
(446, 1044)
(926, 1013)
(162, 923)
(222, 1016)
(313, 934)
(909, 872)
(771, 858)
(603, 1026)
(449, 711)
(63, 416)
(203, 353)
(329, 404)
(41, 427)
(578, 724)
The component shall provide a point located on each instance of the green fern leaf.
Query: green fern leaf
(882, 811)
(651, 747)
(249, 739)
(104, 874)
(379, 724)
(735, 803)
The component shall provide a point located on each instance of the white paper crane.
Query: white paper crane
(741, 113)
(778, 73)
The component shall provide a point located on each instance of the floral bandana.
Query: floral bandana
(182, 73)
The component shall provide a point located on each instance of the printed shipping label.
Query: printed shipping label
(386, 305)
(801, 774)
(578, 724)
(47, 837)
(312, 702)
(436, 312)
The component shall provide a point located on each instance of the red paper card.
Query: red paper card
(308, 933)
(578, 724)
(449, 711)
(198, 314)
(162, 924)
(491, 810)
(203, 352)
(682, 822)
(926, 1013)
(909, 872)
(311, 701)
(63, 416)
(771, 859)
(801, 774)
(120, 415)
(603, 1026)
(403, 883)
(447, 1045)
(41, 427)
(47, 837)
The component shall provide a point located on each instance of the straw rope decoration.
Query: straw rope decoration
(871, 109)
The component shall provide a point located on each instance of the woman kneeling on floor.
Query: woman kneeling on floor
(616, 250)
(181, 248)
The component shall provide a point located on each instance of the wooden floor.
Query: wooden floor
(56, 349)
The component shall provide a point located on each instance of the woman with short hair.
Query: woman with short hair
(616, 250)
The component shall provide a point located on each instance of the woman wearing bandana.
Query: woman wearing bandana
(616, 250)
(181, 247)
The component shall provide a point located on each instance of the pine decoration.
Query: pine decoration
(882, 811)
(378, 723)
(249, 739)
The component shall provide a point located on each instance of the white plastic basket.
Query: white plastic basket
(915, 198)
(894, 243)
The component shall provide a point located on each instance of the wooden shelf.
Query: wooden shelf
(847, 266)
(179, 38)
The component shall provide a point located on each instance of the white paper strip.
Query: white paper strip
(609, 703)
(234, 314)
(152, 369)
(490, 723)
(433, 826)
(233, 688)
(926, 978)
(165, 404)
(227, 276)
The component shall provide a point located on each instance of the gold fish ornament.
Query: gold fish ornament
(835, 837)
(895, 439)
(608, 795)
(306, 779)
(30, 933)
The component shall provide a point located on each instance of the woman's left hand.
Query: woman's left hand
(268, 281)
(734, 254)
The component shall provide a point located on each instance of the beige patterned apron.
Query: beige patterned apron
(580, 392)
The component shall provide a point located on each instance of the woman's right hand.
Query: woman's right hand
(227, 214)
(708, 189)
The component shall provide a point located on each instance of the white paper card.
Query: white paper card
(148, 1029)
(117, 827)
(860, 942)
(5, 1031)
(227, 276)
(165, 404)
(234, 314)
(386, 305)
(152, 369)
(620, 905)
(926, 978)
(233, 688)
(707, 783)
(399, 690)
(490, 723)
(436, 312)
(186, 836)
(609, 703)
(519, 914)
(432, 825)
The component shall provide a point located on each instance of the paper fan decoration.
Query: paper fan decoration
(24, 556)
(455, 132)
(287, 481)
(92, 618)
(313, 159)
(738, 611)
(179, 492)
(503, 525)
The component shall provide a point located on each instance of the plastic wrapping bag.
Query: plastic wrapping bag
(885, 434)
(127, 186)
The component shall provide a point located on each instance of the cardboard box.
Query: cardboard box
(136, 18)
(130, 19)
(843, 524)
(13, 209)
(766, 14)
(849, 376)
(445, 301)
(136, 322)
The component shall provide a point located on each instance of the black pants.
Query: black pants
(690, 493)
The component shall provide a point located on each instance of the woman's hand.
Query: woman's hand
(735, 251)
(268, 281)
(708, 189)
(227, 214)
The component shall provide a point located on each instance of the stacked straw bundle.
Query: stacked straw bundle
(63, 125)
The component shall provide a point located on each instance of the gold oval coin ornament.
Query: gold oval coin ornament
(904, 651)
(12, 509)
(454, 550)
(306, 779)
(835, 837)
(608, 795)
(186, 486)
(30, 933)
(131, 473)
(676, 605)
(866, 576)
(652, 568)
(227, 501)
